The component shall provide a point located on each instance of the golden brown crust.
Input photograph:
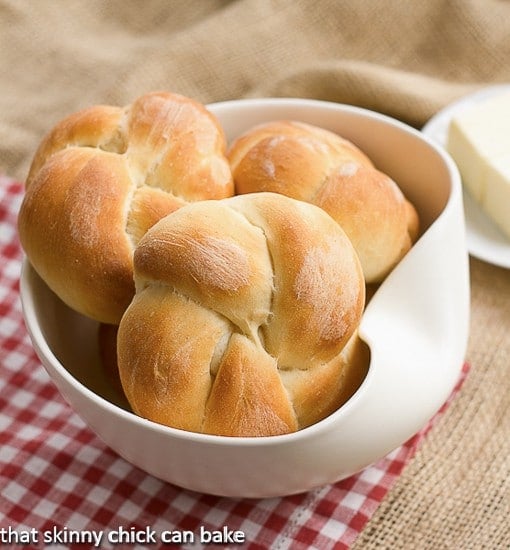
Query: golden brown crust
(248, 397)
(241, 305)
(74, 234)
(96, 127)
(332, 384)
(101, 178)
(371, 209)
(317, 166)
(166, 344)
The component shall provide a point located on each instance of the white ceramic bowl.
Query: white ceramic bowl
(416, 326)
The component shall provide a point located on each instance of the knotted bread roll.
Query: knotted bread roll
(318, 166)
(245, 317)
(101, 178)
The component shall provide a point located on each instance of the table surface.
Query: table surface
(60, 483)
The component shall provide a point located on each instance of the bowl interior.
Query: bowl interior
(72, 338)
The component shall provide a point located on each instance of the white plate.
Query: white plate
(485, 240)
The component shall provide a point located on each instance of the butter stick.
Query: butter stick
(479, 142)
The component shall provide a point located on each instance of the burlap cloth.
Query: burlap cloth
(406, 59)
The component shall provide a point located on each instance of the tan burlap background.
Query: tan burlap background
(406, 59)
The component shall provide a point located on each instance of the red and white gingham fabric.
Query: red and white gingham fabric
(55, 473)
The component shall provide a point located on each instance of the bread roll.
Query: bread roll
(318, 166)
(101, 178)
(244, 319)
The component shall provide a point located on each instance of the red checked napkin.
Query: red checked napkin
(60, 485)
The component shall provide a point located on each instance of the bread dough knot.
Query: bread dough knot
(101, 178)
(318, 166)
(244, 319)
